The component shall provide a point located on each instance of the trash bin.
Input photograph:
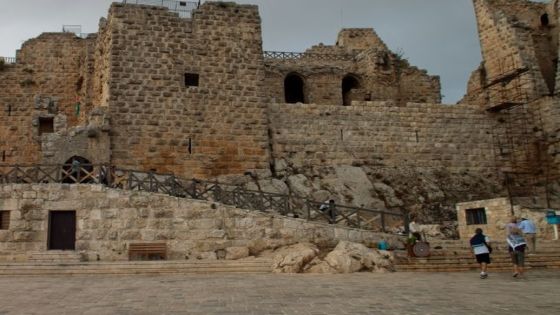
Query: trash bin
(552, 218)
(382, 245)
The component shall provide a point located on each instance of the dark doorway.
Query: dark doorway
(349, 83)
(545, 20)
(62, 230)
(294, 89)
(77, 170)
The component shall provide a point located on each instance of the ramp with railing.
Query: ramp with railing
(287, 205)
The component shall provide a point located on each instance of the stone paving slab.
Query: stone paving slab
(364, 293)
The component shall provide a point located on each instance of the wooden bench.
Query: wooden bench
(147, 251)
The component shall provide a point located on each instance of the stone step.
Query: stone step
(473, 262)
(54, 256)
(475, 266)
(137, 267)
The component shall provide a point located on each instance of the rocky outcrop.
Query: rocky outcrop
(429, 195)
(292, 259)
(347, 257)
(350, 257)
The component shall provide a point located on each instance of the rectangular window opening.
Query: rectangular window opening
(4, 220)
(46, 125)
(476, 216)
(191, 79)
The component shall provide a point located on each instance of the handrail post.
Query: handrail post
(406, 223)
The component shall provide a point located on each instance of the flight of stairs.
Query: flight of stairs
(449, 256)
(160, 267)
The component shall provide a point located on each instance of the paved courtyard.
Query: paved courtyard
(397, 293)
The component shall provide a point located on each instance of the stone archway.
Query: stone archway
(349, 83)
(294, 89)
(77, 170)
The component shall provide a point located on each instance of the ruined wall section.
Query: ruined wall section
(322, 78)
(381, 134)
(44, 84)
(218, 127)
(382, 74)
(512, 38)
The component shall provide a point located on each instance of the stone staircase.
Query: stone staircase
(36, 268)
(54, 256)
(449, 256)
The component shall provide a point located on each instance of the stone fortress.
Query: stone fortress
(198, 97)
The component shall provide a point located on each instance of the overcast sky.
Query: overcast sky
(437, 35)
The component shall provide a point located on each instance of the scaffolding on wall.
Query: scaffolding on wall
(520, 144)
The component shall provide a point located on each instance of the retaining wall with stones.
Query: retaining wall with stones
(108, 220)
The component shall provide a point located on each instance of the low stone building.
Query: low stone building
(493, 215)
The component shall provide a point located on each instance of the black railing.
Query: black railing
(285, 55)
(183, 8)
(288, 205)
(9, 60)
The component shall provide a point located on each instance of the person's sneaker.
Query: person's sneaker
(483, 275)
(515, 275)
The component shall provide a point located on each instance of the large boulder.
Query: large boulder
(237, 252)
(350, 257)
(292, 259)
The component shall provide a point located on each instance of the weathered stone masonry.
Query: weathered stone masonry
(108, 220)
(156, 118)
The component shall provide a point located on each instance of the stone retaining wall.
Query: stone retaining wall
(108, 220)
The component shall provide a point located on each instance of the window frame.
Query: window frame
(476, 216)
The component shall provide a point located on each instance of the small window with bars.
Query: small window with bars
(476, 216)
(4, 220)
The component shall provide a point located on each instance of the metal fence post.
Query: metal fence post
(406, 223)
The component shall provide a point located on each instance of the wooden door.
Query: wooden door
(62, 230)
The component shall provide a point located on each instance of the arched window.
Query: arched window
(544, 20)
(77, 170)
(349, 83)
(294, 89)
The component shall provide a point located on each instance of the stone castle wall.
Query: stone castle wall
(512, 37)
(379, 133)
(217, 127)
(45, 83)
(108, 220)
(137, 112)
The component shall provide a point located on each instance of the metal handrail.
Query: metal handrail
(183, 8)
(286, 55)
(119, 178)
(9, 60)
